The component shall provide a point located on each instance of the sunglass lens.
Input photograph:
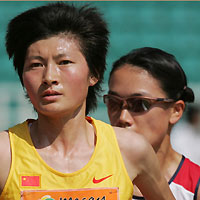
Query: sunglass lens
(113, 104)
(139, 105)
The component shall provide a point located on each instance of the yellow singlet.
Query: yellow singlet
(104, 177)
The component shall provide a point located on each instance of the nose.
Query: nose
(125, 119)
(50, 75)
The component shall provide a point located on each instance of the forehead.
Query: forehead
(130, 80)
(55, 44)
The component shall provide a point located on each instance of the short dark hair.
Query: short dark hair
(162, 66)
(85, 24)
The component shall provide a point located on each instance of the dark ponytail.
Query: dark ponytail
(187, 95)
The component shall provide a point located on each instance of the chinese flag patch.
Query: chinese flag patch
(33, 181)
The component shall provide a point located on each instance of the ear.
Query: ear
(177, 111)
(92, 80)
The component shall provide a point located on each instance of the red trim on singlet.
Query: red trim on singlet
(89, 119)
(188, 175)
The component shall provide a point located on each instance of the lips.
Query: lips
(50, 95)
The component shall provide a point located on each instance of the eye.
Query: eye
(114, 105)
(146, 104)
(36, 65)
(65, 62)
(139, 105)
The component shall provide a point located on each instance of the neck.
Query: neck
(168, 158)
(62, 133)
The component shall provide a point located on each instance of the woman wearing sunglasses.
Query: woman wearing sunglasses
(147, 94)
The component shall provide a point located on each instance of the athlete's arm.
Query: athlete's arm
(143, 166)
(5, 157)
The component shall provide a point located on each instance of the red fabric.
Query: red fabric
(30, 181)
(188, 175)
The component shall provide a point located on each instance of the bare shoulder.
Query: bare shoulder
(5, 155)
(131, 141)
(134, 149)
(142, 165)
(4, 144)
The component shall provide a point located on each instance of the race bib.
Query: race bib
(72, 194)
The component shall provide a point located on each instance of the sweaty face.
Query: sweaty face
(130, 81)
(56, 76)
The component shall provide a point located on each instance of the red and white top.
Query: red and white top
(185, 182)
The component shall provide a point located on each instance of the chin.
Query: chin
(49, 110)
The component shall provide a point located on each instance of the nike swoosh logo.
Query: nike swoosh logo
(100, 180)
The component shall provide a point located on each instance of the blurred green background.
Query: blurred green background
(173, 26)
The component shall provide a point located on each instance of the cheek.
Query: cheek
(30, 83)
(153, 126)
(114, 118)
(27, 81)
(159, 129)
(77, 75)
(76, 81)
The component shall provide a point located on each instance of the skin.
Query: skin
(56, 77)
(156, 124)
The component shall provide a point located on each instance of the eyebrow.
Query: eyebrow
(42, 59)
(35, 57)
(132, 95)
(60, 56)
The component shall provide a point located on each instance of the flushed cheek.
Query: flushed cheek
(114, 118)
(30, 83)
(155, 132)
(78, 81)
(79, 87)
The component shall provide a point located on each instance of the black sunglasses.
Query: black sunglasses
(135, 104)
